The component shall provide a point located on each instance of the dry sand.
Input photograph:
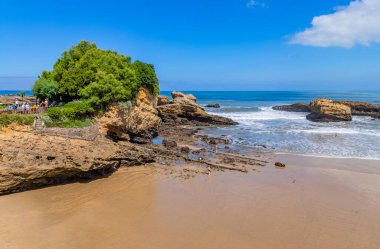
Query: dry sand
(314, 203)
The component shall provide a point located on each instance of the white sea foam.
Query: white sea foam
(288, 132)
(264, 113)
(338, 131)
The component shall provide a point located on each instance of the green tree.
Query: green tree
(45, 89)
(101, 76)
(81, 65)
(106, 89)
(146, 76)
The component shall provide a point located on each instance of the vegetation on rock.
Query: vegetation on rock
(89, 80)
(72, 115)
(99, 76)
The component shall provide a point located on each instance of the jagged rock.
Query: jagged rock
(212, 141)
(198, 151)
(185, 99)
(140, 120)
(30, 160)
(169, 143)
(185, 107)
(297, 107)
(192, 113)
(185, 149)
(357, 109)
(215, 140)
(163, 100)
(140, 140)
(213, 106)
(362, 108)
(326, 110)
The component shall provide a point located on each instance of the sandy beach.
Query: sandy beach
(319, 203)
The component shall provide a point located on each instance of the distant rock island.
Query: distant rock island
(327, 110)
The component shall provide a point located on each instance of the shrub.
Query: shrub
(7, 119)
(55, 113)
(66, 123)
(75, 114)
(78, 109)
(72, 110)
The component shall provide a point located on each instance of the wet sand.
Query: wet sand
(313, 203)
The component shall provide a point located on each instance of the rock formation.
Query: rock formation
(163, 100)
(137, 124)
(184, 110)
(29, 161)
(362, 108)
(326, 110)
(297, 107)
(184, 99)
(213, 106)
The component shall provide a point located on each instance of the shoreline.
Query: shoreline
(201, 190)
(299, 206)
(367, 166)
(326, 156)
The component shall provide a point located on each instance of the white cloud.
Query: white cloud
(254, 3)
(357, 23)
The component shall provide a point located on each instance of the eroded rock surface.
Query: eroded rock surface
(326, 110)
(362, 108)
(137, 123)
(29, 161)
(185, 99)
(297, 107)
(163, 100)
(184, 108)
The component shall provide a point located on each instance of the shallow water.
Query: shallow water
(284, 132)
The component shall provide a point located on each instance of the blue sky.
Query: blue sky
(203, 45)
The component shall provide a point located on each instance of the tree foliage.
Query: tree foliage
(146, 75)
(45, 89)
(101, 76)
(106, 89)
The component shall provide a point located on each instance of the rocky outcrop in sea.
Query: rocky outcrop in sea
(184, 109)
(327, 110)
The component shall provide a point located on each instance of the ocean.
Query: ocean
(15, 92)
(265, 129)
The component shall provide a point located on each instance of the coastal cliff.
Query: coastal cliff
(31, 160)
(137, 123)
(36, 158)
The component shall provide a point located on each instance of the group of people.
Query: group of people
(26, 108)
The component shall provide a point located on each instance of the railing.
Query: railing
(21, 110)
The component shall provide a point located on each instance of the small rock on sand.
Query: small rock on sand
(280, 165)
